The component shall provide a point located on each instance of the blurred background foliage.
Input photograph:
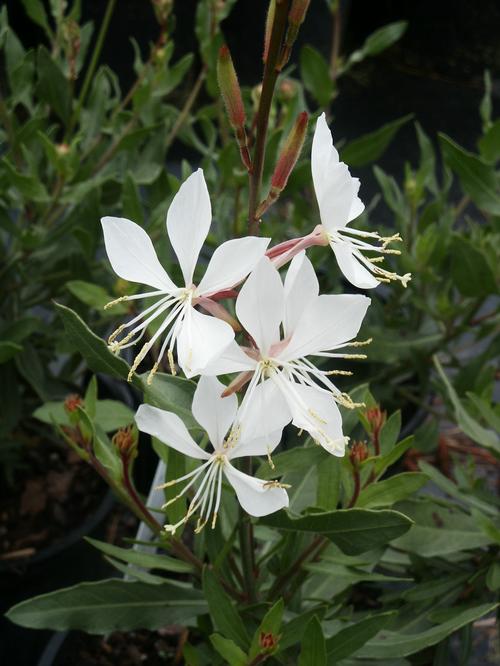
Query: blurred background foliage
(81, 140)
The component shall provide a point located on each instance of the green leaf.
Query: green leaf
(131, 201)
(271, 624)
(315, 75)
(354, 531)
(36, 12)
(8, 350)
(350, 639)
(493, 577)
(439, 531)
(465, 421)
(389, 432)
(313, 649)
(328, 489)
(377, 42)
(392, 490)
(349, 574)
(110, 605)
(393, 645)
(384, 462)
(142, 559)
(29, 187)
(489, 144)
(477, 177)
(93, 349)
(110, 415)
(470, 269)
(294, 460)
(222, 611)
(93, 295)
(228, 650)
(53, 87)
(370, 147)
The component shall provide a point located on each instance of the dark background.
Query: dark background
(435, 71)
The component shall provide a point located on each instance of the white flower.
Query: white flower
(339, 204)
(199, 337)
(216, 415)
(312, 325)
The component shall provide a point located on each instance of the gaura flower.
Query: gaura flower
(312, 325)
(216, 415)
(339, 204)
(199, 337)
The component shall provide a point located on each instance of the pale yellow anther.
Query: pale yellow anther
(360, 343)
(214, 521)
(115, 302)
(152, 372)
(137, 361)
(275, 484)
(170, 357)
(316, 416)
(346, 373)
(270, 460)
(115, 334)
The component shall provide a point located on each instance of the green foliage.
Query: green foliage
(110, 605)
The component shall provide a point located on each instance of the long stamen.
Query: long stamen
(217, 501)
(134, 297)
(157, 308)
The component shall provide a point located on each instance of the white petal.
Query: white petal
(329, 321)
(262, 422)
(169, 429)
(202, 339)
(232, 359)
(353, 270)
(231, 263)
(336, 190)
(357, 206)
(335, 202)
(188, 222)
(301, 288)
(260, 305)
(255, 497)
(132, 255)
(317, 413)
(213, 413)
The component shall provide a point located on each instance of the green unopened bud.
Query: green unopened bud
(231, 94)
(286, 161)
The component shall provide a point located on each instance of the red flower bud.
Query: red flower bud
(358, 453)
(269, 27)
(125, 441)
(268, 642)
(296, 17)
(72, 403)
(298, 11)
(231, 94)
(290, 153)
(230, 88)
(376, 418)
(286, 162)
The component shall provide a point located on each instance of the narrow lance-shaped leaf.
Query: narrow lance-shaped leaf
(110, 605)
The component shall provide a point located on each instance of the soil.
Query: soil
(58, 494)
(152, 648)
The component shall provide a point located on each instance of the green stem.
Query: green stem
(92, 66)
(268, 84)
(181, 118)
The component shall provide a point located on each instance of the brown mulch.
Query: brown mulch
(153, 648)
(58, 495)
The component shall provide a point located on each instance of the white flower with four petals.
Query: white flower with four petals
(216, 415)
(199, 337)
(312, 325)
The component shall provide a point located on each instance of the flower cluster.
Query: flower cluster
(284, 324)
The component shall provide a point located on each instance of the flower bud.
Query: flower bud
(125, 442)
(296, 17)
(268, 642)
(71, 405)
(376, 418)
(286, 161)
(269, 27)
(358, 453)
(231, 94)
